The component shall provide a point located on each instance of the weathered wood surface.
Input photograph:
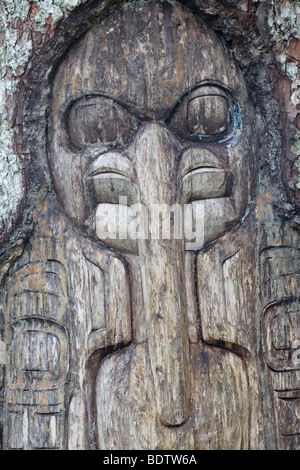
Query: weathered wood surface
(133, 340)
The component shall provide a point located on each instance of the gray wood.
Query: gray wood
(134, 341)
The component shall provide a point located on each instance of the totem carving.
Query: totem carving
(119, 336)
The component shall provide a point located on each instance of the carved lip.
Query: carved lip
(112, 177)
(287, 395)
(190, 164)
(104, 174)
(113, 163)
(203, 169)
(206, 182)
(201, 177)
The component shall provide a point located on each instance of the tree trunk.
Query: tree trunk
(149, 225)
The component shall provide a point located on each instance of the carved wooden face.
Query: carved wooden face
(149, 105)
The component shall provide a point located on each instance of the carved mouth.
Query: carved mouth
(202, 176)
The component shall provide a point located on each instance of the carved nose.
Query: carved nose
(163, 278)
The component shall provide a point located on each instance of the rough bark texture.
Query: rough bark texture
(136, 344)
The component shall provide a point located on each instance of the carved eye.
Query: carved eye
(204, 114)
(207, 115)
(96, 121)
